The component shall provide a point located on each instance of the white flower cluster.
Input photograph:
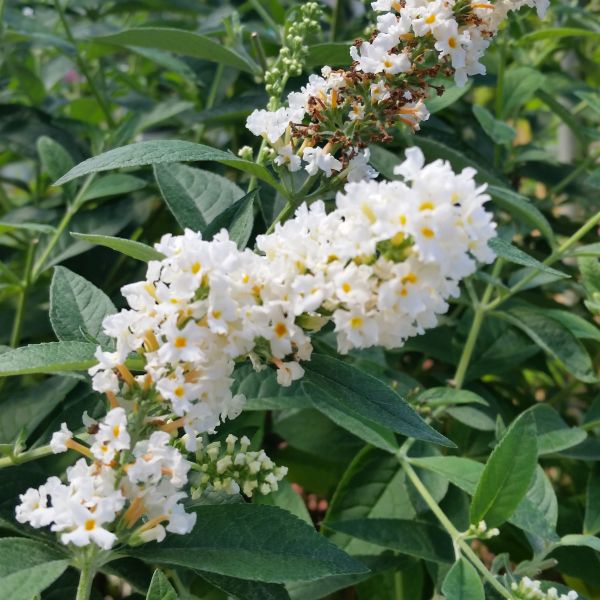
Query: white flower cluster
(529, 589)
(274, 126)
(116, 492)
(234, 467)
(481, 531)
(463, 41)
(381, 266)
(325, 126)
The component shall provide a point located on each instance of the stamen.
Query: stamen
(126, 375)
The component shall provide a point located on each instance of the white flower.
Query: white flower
(112, 436)
(59, 440)
(270, 125)
(317, 158)
(288, 372)
(88, 528)
(359, 167)
(287, 157)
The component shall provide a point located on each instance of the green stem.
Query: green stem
(457, 538)
(69, 214)
(83, 66)
(22, 301)
(29, 455)
(574, 174)
(292, 204)
(86, 578)
(555, 256)
(480, 309)
(336, 20)
(264, 15)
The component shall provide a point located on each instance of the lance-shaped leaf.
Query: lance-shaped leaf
(180, 41)
(28, 567)
(462, 582)
(423, 540)
(255, 542)
(155, 152)
(77, 308)
(507, 474)
(338, 388)
(130, 248)
(160, 588)
(53, 357)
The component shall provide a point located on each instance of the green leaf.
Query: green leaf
(536, 513)
(107, 219)
(591, 523)
(130, 248)
(160, 588)
(372, 486)
(512, 254)
(498, 131)
(422, 540)
(473, 417)
(28, 567)
(6, 227)
(462, 582)
(340, 388)
(588, 541)
(449, 97)
(564, 114)
(590, 273)
(587, 250)
(52, 357)
(464, 473)
(24, 410)
(56, 161)
(77, 308)
(521, 208)
(520, 85)
(553, 434)
(554, 339)
(336, 54)
(507, 474)
(371, 432)
(155, 152)
(578, 326)
(285, 497)
(114, 184)
(433, 149)
(555, 33)
(182, 42)
(238, 219)
(195, 197)
(262, 391)
(247, 541)
(242, 589)
(447, 396)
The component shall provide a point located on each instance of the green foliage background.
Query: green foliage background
(512, 368)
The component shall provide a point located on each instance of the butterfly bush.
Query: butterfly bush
(378, 268)
(326, 127)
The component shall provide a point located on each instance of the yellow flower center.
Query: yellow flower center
(428, 233)
(280, 329)
(180, 342)
(356, 322)
(90, 524)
